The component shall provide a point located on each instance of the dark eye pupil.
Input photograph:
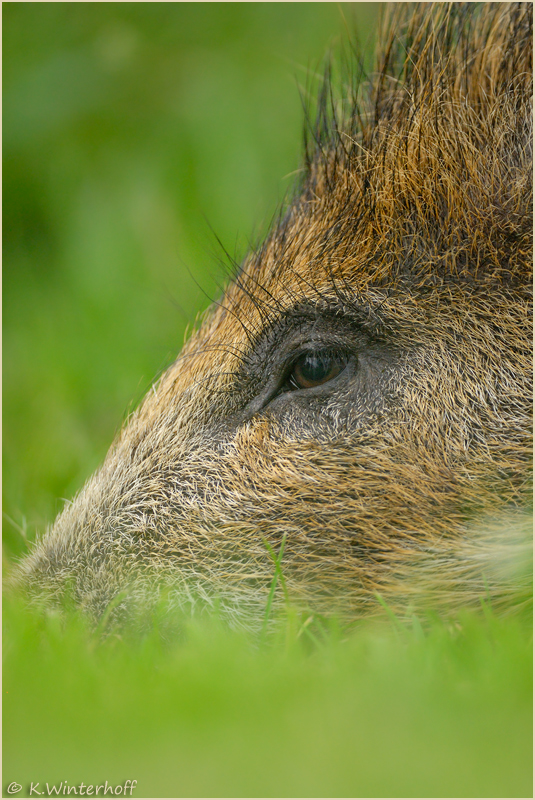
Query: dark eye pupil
(316, 367)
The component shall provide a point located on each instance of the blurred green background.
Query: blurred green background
(389, 712)
(134, 133)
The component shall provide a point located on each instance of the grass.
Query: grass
(414, 708)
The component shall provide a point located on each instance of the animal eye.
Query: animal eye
(316, 367)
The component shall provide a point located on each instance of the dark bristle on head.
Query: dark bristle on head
(362, 391)
(446, 115)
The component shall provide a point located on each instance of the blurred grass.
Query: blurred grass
(131, 131)
(391, 710)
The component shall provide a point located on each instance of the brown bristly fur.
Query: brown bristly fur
(408, 248)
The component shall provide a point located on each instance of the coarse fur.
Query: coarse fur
(408, 249)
